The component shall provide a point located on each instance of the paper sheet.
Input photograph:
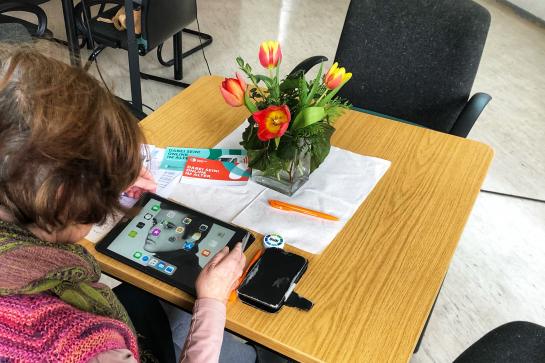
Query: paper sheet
(166, 181)
(337, 187)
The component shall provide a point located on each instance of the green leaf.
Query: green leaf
(315, 85)
(303, 91)
(268, 81)
(310, 115)
(287, 148)
(296, 121)
(249, 104)
(240, 61)
(250, 141)
(277, 141)
(321, 145)
(289, 84)
(258, 159)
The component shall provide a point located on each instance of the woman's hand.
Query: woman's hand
(144, 183)
(220, 276)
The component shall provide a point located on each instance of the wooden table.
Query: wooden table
(375, 284)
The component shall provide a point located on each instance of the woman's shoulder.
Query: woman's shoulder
(51, 326)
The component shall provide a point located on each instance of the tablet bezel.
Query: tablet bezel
(102, 245)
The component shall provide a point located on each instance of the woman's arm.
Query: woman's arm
(214, 285)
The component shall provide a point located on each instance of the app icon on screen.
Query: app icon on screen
(156, 232)
(180, 230)
(140, 225)
(153, 262)
(133, 234)
(203, 227)
(213, 243)
(161, 266)
(137, 255)
(170, 269)
(145, 258)
(188, 245)
(206, 253)
(171, 214)
(148, 216)
(186, 221)
(156, 207)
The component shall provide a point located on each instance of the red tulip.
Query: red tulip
(336, 76)
(233, 90)
(270, 54)
(272, 122)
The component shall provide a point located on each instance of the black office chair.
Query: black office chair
(29, 6)
(415, 60)
(161, 19)
(514, 342)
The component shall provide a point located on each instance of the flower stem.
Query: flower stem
(322, 96)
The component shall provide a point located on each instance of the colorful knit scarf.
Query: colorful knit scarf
(30, 266)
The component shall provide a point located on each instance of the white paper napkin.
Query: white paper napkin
(337, 187)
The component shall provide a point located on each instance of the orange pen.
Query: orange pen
(295, 208)
(234, 293)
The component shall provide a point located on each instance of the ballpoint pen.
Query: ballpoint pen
(295, 208)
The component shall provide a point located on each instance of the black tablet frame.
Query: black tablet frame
(102, 246)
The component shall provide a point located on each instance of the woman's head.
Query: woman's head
(68, 148)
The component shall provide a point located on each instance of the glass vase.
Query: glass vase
(290, 177)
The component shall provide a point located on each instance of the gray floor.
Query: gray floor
(497, 274)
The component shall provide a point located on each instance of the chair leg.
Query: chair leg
(169, 81)
(206, 40)
(178, 58)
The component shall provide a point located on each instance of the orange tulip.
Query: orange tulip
(233, 90)
(336, 76)
(272, 122)
(270, 54)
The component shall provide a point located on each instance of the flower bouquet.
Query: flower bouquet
(290, 128)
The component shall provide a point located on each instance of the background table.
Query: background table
(374, 286)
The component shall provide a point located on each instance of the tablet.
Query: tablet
(169, 241)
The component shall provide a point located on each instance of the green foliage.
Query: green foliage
(313, 110)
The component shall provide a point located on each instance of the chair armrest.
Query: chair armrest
(29, 8)
(307, 64)
(469, 114)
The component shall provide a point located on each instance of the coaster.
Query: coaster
(273, 241)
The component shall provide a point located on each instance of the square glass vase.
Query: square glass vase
(290, 178)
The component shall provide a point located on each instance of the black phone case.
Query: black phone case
(271, 280)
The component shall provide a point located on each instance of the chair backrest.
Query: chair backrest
(413, 59)
(15, 6)
(161, 19)
(13, 33)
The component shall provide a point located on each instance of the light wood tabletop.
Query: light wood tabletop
(374, 285)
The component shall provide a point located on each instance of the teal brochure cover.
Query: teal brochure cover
(176, 157)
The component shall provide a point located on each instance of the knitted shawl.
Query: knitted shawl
(49, 301)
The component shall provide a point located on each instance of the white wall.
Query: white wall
(535, 7)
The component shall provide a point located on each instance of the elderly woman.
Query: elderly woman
(68, 149)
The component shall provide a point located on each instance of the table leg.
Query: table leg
(71, 35)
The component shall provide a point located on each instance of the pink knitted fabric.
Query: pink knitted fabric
(43, 328)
